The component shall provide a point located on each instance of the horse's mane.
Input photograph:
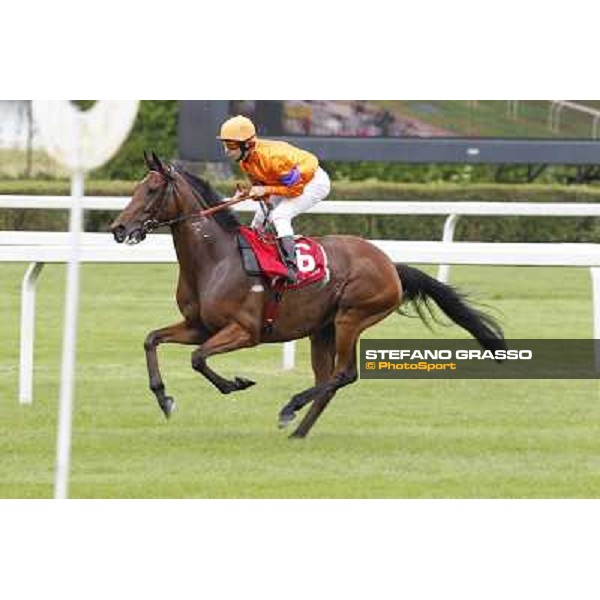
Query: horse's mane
(226, 218)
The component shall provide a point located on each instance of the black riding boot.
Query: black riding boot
(288, 250)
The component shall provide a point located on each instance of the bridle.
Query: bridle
(151, 224)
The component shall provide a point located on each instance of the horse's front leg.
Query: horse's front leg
(231, 337)
(180, 333)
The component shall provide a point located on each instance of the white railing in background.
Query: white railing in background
(556, 108)
(42, 247)
(554, 113)
(452, 210)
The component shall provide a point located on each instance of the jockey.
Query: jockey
(288, 178)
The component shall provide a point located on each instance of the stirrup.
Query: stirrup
(292, 276)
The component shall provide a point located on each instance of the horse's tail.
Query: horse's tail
(419, 288)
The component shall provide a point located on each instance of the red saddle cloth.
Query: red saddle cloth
(310, 257)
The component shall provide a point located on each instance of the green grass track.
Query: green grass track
(378, 439)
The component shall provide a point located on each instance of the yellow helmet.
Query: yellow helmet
(237, 129)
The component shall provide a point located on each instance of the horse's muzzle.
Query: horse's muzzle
(132, 236)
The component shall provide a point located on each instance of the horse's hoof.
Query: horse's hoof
(296, 435)
(168, 406)
(285, 419)
(241, 383)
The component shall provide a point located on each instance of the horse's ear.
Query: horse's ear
(148, 161)
(157, 162)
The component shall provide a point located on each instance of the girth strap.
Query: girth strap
(271, 311)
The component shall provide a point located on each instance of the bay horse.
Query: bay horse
(222, 306)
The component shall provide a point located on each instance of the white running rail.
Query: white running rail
(39, 248)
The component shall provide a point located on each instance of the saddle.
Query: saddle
(261, 258)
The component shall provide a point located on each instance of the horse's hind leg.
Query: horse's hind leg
(180, 333)
(321, 394)
(322, 354)
(349, 324)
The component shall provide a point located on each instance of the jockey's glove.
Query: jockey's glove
(257, 191)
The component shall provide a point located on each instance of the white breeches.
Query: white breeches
(285, 209)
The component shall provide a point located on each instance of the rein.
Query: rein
(152, 224)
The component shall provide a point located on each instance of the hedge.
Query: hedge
(382, 227)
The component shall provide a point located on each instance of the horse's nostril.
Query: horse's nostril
(137, 236)
(119, 233)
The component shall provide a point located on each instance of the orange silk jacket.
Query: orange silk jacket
(283, 169)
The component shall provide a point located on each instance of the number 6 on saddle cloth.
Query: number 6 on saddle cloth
(261, 258)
